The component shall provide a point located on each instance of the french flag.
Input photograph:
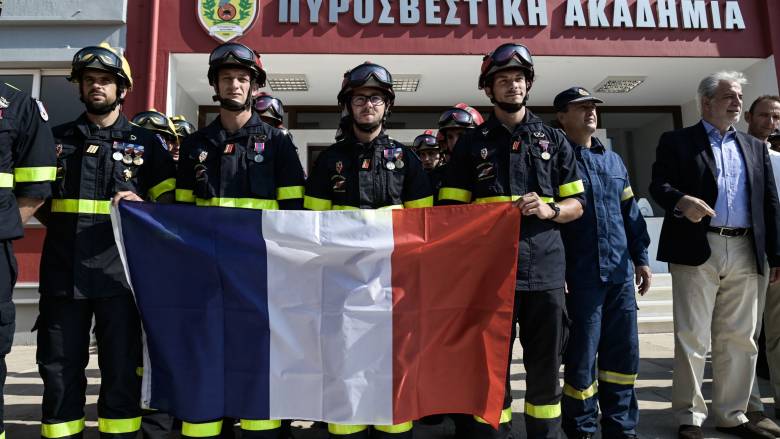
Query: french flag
(354, 317)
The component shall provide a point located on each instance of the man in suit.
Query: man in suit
(721, 225)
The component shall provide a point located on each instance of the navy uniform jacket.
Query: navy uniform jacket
(380, 174)
(611, 234)
(80, 258)
(257, 167)
(27, 158)
(492, 164)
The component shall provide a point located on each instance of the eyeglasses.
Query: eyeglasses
(263, 103)
(238, 51)
(424, 140)
(360, 100)
(460, 116)
(360, 74)
(103, 55)
(158, 120)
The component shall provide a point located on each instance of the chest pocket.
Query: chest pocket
(260, 163)
(66, 184)
(486, 171)
(340, 174)
(543, 155)
(205, 169)
(7, 140)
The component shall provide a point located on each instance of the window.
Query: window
(60, 97)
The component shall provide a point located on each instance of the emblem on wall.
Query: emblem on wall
(226, 20)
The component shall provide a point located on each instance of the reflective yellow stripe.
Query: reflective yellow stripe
(422, 202)
(289, 192)
(392, 206)
(185, 196)
(617, 378)
(242, 203)
(97, 207)
(547, 199)
(62, 429)
(2, 435)
(341, 207)
(6, 180)
(139, 371)
(506, 416)
(161, 188)
(314, 203)
(205, 429)
(627, 193)
(582, 395)
(343, 429)
(496, 199)
(40, 173)
(543, 411)
(117, 426)
(569, 189)
(452, 193)
(259, 425)
(395, 428)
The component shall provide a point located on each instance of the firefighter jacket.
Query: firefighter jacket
(493, 164)
(80, 258)
(257, 167)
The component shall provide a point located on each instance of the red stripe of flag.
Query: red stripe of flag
(452, 309)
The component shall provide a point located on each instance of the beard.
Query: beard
(99, 108)
(368, 127)
(510, 108)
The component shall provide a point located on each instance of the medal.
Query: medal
(128, 174)
(127, 159)
(546, 155)
(138, 161)
(538, 134)
(399, 164)
(390, 166)
(117, 156)
(259, 158)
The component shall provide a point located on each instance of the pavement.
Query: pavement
(23, 391)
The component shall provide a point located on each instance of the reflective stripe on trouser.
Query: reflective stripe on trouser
(8, 272)
(543, 332)
(601, 361)
(250, 429)
(64, 326)
(349, 431)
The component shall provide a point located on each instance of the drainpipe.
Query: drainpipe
(152, 73)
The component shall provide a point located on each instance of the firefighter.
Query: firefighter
(270, 109)
(515, 157)
(183, 129)
(100, 156)
(427, 147)
(238, 161)
(606, 249)
(454, 122)
(366, 169)
(27, 167)
(162, 127)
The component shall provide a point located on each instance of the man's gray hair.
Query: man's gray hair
(708, 85)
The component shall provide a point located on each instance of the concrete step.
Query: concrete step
(655, 307)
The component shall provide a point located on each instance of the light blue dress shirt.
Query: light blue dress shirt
(732, 207)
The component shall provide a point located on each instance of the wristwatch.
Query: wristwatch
(556, 208)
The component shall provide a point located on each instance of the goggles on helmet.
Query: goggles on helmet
(502, 56)
(154, 120)
(425, 141)
(266, 103)
(362, 73)
(238, 51)
(456, 117)
(106, 57)
(183, 128)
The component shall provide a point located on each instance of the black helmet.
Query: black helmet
(236, 55)
(460, 116)
(367, 75)
(425, 141)
(102, 57)
(506, 56)
(270, 107)
(183, 128)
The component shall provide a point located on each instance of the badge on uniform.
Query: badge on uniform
(366, 164)
(138, 160)
(203, 156)
(259, 150)
(483, 153)
(129, 152)
(93, 149)
(485, 171)
(4, 103)
(539, 134)
(544, 144)
(127, 174)
(42, 110)
(339, 183)
(339, 167)
(229, 148)
(58, 149)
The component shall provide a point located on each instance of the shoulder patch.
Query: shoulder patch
(42, 110)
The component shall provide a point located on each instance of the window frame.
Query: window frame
(37, 75)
